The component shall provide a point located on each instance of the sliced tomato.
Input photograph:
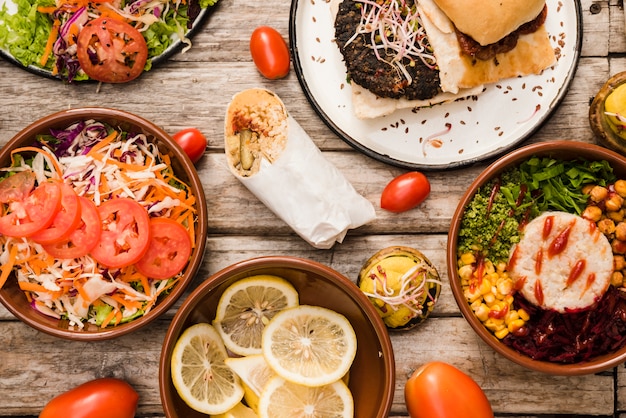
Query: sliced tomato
(33, 214)
(84, 237)
(17, 186)
(169, 250)
(65, 221)
(125, 234)
(111, 51)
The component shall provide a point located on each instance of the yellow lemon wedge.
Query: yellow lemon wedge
(615, 108)
(283, 399)
(254, 373)
(309, 345)
(247, 306)
(200, 374)
(239, 411)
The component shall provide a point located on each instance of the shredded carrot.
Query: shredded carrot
(106, 141)
(33, 287)
(107, 320)
(8, 267)
(47, 10)
(49, 157)
(52, 37)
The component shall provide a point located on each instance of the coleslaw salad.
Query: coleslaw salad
(43, 33)
(102, 164)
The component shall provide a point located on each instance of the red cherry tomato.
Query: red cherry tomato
(33, 214)
(440, 390)
(111, 51)
(99, 398)
(84, 237)
(192, 141)
(405, 192)
(65, 221)
(168, 252)
(269, 52)
(125, 233)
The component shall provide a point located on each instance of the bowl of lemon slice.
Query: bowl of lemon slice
(271, 336)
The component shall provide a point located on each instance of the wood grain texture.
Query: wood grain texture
(193, 89)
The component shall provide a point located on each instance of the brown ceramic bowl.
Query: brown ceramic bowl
(556, 149)
(14, 299)
(372, 376)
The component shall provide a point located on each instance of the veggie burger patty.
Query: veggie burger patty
(376, 75)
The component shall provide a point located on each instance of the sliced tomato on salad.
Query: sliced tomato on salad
(23, 218)
(65, 221)
(125, 233)
(111, 51)
(83, 238)
(168, 252)
(17, 186)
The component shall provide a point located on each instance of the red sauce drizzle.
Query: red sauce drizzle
(557, 246)
(548, 223)
(590, 281)
(539, 292)
(513, 259)
(577, 270)
(519, 283)
(498, 314)
(539, 261)
(492, 196)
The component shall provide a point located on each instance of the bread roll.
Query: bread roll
(488, 21)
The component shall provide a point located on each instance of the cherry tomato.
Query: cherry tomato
(111, 51)
(168, 252)
(17, 186)
(65, 221)
(125, 233)
(100, 398)
(440, 390)
(84, 237)
(192, 142)
(33, 214)
(269, 52)
(405, 192)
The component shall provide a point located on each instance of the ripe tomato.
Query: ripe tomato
(36, 212)
(405, 192)
(192, 142)
(17, 187)
(168, 252)
(99, 398)
(111, 51)
(440, 390)
(125, 233)
(84, 237)
(269, 52)
(65, 221)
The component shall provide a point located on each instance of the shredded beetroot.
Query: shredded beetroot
(572, 337)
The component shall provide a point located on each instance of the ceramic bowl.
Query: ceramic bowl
(15, 300)
(372, 375)
(565, 150)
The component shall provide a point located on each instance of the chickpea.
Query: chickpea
(587, 188)
(598, 193)
(606, 226)
(617, 216)
(619, 262)
(617, 278)
(620, 231)
(619, 247)
(593, 213)
(614, 203)
(620, 187)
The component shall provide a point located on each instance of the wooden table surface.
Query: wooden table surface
(193, 89)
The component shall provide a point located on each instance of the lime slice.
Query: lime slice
(254, 373)
(199, 373)
(283, 399)
(309, 345)
(247, 306)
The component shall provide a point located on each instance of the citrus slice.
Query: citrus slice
(239, 411)
(247, 306)
(199, 373)
(309, 345)
(254, 373)
(283, 399)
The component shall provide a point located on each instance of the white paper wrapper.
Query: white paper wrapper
(308, 192)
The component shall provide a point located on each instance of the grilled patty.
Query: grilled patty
(379, 77)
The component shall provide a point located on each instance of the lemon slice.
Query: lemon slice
(254, 373)
(309, 345)
(247, 306)
(239, 411)
(283, 399)
(199, 373)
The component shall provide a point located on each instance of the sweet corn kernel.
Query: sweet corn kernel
(509, 299)
(489, 268)
(505, 286)
(523, 314)
(500, 334)
(494, 324)
(472, 296)
(482, 312)
(485, 286)
(515, 325)
(466, 272)
(510, 317)
(468, 258)
(489, 299)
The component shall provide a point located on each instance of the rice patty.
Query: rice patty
(562, 262)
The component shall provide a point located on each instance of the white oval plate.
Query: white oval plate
(445, 136)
